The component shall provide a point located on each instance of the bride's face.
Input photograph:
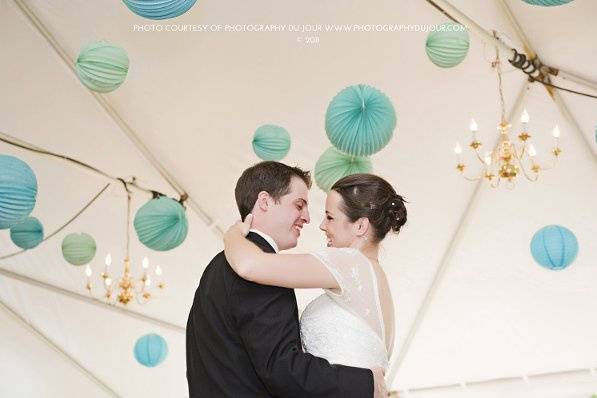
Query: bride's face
(340, 232)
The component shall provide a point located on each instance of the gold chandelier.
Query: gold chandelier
(508, 159)
(126, 287)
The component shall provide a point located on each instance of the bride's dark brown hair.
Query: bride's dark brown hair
(370, 196)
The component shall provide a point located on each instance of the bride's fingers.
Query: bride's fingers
(246, 225)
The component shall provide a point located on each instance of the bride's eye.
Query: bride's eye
(329, 218)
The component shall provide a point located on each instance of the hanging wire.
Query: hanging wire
(73, 218)
(19, 144)
(498, 65)
(530, 66)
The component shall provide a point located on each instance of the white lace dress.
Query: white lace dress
(346, 326)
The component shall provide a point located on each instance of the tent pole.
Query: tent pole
(524, 380)
(96, 380)
(90, 300)
(115, 116)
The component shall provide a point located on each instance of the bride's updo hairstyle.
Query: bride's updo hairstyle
(367, 195)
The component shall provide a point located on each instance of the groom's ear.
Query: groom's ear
(262, 202)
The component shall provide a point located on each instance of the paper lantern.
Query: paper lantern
(360, 120)
(78, 249)
(161, 224)
(151, 350)
(159, 9)
(271, 142)
(547, 3)
(448, 45)
(102, 67)
(18, 190)
(334, 164)
(554, 247)
(27, 233)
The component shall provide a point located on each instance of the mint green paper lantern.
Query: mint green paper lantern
(18, 190)
(448, 45)
(334, 164)
(27, 233)
(78, 249)
(161, 224)
(102, 66)
(547, 3)
(360, 120)
(271, 142)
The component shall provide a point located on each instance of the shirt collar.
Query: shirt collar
(267, 238)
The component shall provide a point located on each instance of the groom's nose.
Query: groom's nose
(305, 215)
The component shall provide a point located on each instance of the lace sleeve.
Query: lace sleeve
(357, 284)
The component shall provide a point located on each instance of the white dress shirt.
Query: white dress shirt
(268, 238)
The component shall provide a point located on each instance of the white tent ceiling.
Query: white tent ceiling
(472, 305)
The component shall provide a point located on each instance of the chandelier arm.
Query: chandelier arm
(479, 156)
(521, 164)
(471, 178)
(553, 164)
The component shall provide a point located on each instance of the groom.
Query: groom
(243, 339)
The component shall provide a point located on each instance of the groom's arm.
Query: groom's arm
(267, 323)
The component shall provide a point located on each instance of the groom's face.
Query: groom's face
(287, 216)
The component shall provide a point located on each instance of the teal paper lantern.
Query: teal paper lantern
(448, 45)
(554, 247)
(78, 249)
(151, 350)
(360, 120)
(27, 233)
(547, 3)
(161, 224)
(18, 190)
(159, 9)
(271, 142)
(334, 164)
(102, 67)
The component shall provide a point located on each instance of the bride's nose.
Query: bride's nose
(322, 226)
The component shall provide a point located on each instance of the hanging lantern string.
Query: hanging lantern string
(73, 218)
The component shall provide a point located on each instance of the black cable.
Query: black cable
(529, 67)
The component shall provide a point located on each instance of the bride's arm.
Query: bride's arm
(285, 270)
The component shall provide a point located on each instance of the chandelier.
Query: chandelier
(508, 159)
(127, 287)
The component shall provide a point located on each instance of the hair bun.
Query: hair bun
(397, 212)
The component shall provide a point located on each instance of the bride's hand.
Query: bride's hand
(235, 244)
(239, 228)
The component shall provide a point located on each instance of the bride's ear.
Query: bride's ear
(362, 227)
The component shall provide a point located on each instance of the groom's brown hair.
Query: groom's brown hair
(271, 177)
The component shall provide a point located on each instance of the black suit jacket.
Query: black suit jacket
(243, 340)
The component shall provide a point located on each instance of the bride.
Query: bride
(352, 323)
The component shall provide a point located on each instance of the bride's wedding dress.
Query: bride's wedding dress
(346, 325)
